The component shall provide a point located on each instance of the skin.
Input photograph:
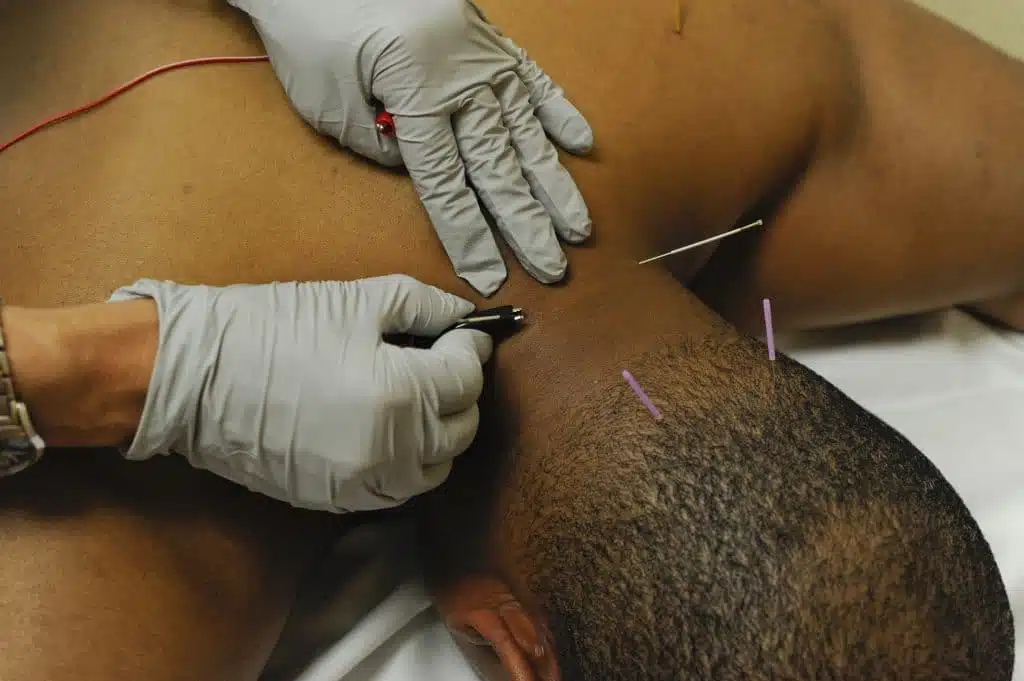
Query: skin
(919, 204)
(207, 176)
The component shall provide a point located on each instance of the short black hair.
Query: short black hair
(768, 528)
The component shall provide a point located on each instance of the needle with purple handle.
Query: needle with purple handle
(768, 330)
(641, 394)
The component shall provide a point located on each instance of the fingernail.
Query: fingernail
(522, 628)
(470, 637)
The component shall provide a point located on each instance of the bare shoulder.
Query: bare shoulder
(113, 569)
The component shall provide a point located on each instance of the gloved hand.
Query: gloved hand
(289, 389)
(465, 100)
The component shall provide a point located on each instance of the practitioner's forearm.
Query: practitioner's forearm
(82, 371)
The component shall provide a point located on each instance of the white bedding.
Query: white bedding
(950, 384)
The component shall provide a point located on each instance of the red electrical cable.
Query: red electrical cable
(124, 88)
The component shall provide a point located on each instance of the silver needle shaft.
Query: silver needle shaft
(704, 242)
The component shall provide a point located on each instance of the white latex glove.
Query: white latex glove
(290, 390)
(466, 102)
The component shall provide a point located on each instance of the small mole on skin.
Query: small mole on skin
(981, 156)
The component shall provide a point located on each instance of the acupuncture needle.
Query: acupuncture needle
(704, 242)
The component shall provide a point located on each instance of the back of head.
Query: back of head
(767, 528)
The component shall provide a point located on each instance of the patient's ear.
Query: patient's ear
(495, 632)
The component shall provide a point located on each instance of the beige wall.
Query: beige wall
(1001, 22)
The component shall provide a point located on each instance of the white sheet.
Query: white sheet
(950, 384)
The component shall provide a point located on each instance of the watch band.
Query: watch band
(20, 445)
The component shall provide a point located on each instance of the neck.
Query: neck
(582, 337)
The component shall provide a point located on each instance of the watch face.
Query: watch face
(16, 455)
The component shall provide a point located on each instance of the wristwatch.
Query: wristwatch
(20, 445)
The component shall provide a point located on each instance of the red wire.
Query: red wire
(124, 88)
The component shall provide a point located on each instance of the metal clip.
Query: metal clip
(495, 320)
(498, 321)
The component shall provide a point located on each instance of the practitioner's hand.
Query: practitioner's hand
(290, 390)
(466, 101)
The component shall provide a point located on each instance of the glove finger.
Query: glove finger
(551, 182)
(453, 365)
(560, 118)
(432, 157)
(406, 305)
(494, 170)
(456, 434)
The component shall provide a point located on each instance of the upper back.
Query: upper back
(207, 174)
(202, 175)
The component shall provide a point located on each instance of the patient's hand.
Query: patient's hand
(485, 620)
